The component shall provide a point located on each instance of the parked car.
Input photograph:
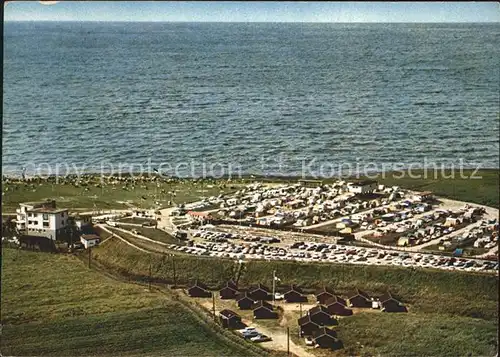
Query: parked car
(309, 341)
(260, 338)
(250, 334)
(247, 329)
(278, 296)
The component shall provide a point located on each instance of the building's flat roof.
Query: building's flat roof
(48, 210)
(90, 236)
(363, 182)
(34, 203)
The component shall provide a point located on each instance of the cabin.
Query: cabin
(310, 183)
(364, 186)
(229, 319)
(264, 310)
(229, 291)
(324, 294)
(424, 196)
(307, 326)
(320, 315)
(199, 290)
(337, 306)
(260, 292)
(359, 298)
(89, 240)
(295, 294)
(244, 301)
(326, 338)
(390, 303)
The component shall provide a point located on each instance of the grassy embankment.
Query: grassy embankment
(54, 305)
(441, 303)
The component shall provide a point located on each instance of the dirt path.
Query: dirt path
(279, 339)
(122, 239)
(278, 334)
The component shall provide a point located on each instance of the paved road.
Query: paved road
(493, 251)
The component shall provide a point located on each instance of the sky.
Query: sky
(232, 11)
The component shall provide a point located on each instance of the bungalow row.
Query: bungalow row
(358, 299)
(260, 292)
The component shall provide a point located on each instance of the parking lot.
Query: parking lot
(414, 219)
(228, 245)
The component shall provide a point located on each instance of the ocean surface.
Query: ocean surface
(250, 98)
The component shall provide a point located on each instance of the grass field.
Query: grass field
(136, 220)
(483, 190)
(451, 185)
(417, 335)
(469, 294)
(144, 195)
(441, 303)
(155, 234)
(54, 305)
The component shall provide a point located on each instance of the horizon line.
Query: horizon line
(265, 22)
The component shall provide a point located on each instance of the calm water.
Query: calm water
(248, 94)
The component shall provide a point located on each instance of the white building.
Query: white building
(82, 221)
(90, 240)
(366, 186)
(42, 219)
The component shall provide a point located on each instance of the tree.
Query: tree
(71, 232)
(9, 227)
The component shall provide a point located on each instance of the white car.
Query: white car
(260, 338)
(309, 341)
(247, 329)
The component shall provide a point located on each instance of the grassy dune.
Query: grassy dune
(425, 290)
(53, 305)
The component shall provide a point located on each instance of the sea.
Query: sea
(192, 99)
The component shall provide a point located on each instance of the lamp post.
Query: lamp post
(274, 283)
